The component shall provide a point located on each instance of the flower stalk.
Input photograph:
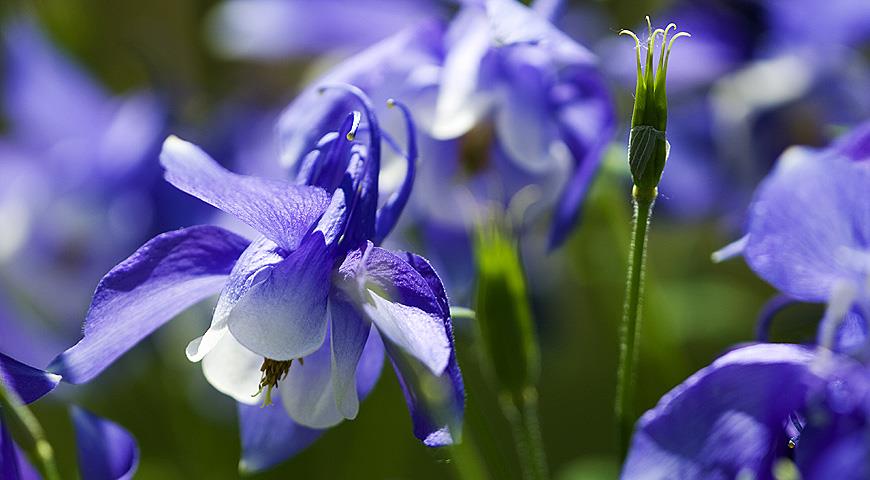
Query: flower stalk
(648, 151)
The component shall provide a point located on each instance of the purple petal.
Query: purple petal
(252, 268)
(307, 393)
(29, 383)
(284, 316)
(165, 276)
(513, 23)
(396, 67)
(349, 333)
(523, 118)
(273, 29)
(809, 225)
(97, 136)
(388, 215)
(282, 212)
(368, 371)
(436, 423)
(725, 418)
(586, 122)
(13, 463)
(845, 458)
(40, 82)
(105, 450)
(463, 96)
(399, 301)
(269, 436)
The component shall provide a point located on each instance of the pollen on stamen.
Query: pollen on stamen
(272, 371)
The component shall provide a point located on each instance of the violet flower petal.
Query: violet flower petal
(282, 212)
(165, 276)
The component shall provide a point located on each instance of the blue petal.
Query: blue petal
(399, 301)
(809, 224)
(284, 317)
(165, 276)
(725, 418)
(436, 423)
(282, 212)
(466, 75)
(97, 135)
(586, 122)
(13, 463)
(308, 393)
(269, 436)
(252, 268)
(39, 83)
(29, 383)
(387, 69)
(272, 29)
(349, 333)
(388, 214)
(105, 450)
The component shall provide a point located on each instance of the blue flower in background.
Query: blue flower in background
(73, 189)
(504, 101)
(105, 450)
(808, 227)
(293, 321)
(550, 114)
(276, 29)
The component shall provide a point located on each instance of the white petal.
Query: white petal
(234, 370)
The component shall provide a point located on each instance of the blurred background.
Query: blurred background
(756, 77)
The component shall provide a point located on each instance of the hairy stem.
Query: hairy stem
(629, 332)
(522, 412)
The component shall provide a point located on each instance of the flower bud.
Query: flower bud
(503, 312)
(648, 147)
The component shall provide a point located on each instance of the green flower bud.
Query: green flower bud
(503, 313)
(648, 147)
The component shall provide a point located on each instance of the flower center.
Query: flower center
(273, 371)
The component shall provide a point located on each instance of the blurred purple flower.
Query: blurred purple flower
(297, 303)
(276, 29)
(105, 450)
(73, 187)
(503, 100)
(808, 230)
(551, 114)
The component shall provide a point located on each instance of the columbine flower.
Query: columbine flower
(514, 102)
(71, 160)
(105, 450)
(293, 324)
(509, 70)
(808, 229)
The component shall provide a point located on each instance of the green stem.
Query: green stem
(27, 432)
(629, 333)
(522, 412)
